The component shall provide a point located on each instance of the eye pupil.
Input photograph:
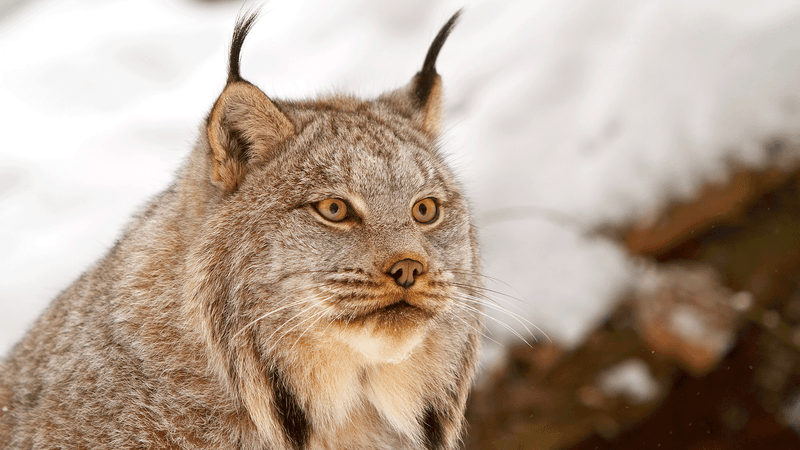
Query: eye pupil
(334, 208)
(423, 209)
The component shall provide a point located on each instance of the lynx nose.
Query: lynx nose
(405, 270)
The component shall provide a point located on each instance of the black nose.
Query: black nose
(405, 270)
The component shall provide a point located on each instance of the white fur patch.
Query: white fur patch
(379, 346)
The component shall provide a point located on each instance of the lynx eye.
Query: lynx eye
(425, 210)
(332, 209)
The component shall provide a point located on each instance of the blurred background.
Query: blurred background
(632, 166)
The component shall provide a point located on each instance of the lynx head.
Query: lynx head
(330, 226)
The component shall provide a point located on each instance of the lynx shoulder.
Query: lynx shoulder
(307, 282)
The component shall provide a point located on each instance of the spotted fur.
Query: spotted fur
(232, 315)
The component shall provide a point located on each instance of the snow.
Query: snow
(690, 325)
(561, 115)
(630, 378)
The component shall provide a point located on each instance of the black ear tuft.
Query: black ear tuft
(244, 23)
(426, 78)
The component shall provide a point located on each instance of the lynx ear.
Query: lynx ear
(244, 124)
(425, 90)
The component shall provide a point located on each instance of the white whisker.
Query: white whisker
(288, 305)
(313, 305)
(518, 318)
(321, 315)
(285, 333)
(496, 280)
(475, 329)
(508, 327)
(501, 294)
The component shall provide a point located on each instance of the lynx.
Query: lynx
(308, 281)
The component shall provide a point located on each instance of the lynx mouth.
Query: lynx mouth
(397, 307)
(401, 312)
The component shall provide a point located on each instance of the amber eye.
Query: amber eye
(425, 210)
(332, 209)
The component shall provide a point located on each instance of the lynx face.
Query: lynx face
(343, 247)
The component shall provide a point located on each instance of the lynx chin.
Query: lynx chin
(310, 280)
